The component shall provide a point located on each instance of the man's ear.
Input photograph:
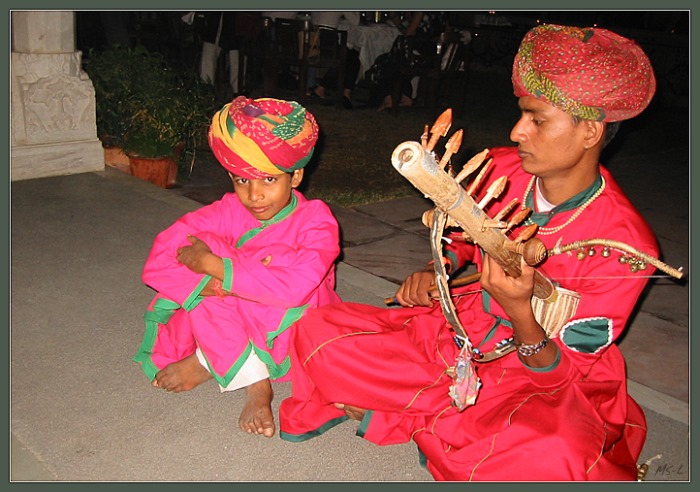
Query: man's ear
(595, 131)
(297, 176)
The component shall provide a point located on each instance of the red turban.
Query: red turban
(590, 73)
(262, 137)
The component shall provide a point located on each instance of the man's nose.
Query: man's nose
(517, 133)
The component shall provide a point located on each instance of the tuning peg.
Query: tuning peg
(424, 137)
(526, 233)
(451, 147)
(477, 181)
(494, 191)
(493, 224)
(472, 165)
(506, 210)
(518, 218)
(440, 128)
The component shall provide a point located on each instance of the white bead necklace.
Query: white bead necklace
(552, 230)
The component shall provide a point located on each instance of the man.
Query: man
(557, 408)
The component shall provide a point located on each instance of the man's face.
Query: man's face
(549, 142)
(265, 197)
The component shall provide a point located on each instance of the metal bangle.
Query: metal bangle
(528, 350)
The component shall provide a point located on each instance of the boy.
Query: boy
(232, 276)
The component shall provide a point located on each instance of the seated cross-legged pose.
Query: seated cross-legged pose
(556, 407)
(232, 276)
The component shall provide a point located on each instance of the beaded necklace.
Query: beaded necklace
(552, 230)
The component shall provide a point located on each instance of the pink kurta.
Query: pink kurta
(571, 421)
(303, 241)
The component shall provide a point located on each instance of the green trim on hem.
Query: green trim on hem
(226, 379)
(276, 370)
(422, 459)
(161, 312)
(290, 316)
(364, 424)
(314, 433)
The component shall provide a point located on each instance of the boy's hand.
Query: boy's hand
(195, 257)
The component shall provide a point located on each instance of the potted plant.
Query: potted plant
(155, 111)
(111, 71)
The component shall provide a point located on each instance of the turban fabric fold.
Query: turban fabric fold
(591, 73)
(257, 138)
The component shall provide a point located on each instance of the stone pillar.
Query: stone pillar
(53, 128)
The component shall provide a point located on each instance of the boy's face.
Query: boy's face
(265, 197)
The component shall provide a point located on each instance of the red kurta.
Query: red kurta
(571, 421)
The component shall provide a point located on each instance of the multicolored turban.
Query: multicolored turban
(262, 137)
(590, 73)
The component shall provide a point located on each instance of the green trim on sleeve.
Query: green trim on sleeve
(227, 283)
(194, 298)
(451, 258)
(548, 368)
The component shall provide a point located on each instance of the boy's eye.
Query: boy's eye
(241, 181)
(270, 179)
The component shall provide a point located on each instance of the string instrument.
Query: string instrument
(456, 206)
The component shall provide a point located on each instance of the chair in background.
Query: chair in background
(295, 46)
(442, 66)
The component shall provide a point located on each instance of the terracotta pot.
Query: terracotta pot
(161, 171)
(116, 158)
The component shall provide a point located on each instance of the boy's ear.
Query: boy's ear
(297, 176)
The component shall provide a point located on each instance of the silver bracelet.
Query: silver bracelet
(528, 350)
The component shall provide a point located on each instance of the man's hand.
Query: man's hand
(417, 290)
(513, 294)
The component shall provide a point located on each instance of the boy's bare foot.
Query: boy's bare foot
(182, 375)
(352, 412)
(256, 417)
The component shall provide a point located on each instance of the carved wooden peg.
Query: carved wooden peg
(506, 210)
(440, 128)
(527, 233)
(424, 137)
(479, 177)
(518, 218)
(471, 165)
(493, 192)
(451, 147)
(493, 224)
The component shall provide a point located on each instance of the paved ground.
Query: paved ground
(82, 411)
